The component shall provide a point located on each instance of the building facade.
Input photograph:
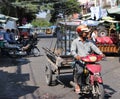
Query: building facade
(102, 3)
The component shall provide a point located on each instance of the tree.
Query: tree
(71, 7)
(66, 8)
(28, 8)
(41, 22)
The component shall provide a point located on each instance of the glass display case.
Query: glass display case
(65, 35)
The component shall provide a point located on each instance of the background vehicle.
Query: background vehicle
(45, 31)
(25, 29)
(13, 51)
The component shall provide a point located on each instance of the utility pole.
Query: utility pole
(95, 3)
(100, 3)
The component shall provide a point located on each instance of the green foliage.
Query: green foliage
(72, 6)
(32, 8)
(41, 23)
(46, 7)
(28, 8)
(66, 7)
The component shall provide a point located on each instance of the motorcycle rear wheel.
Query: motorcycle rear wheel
(36, 52)
(99, 90)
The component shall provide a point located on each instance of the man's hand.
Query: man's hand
(77, 57)
(103, 55)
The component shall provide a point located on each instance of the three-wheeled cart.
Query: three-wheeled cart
(59, 58)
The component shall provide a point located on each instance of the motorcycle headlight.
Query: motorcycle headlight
(93, 58)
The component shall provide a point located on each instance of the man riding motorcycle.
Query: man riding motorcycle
(81, 47)
(29, 43)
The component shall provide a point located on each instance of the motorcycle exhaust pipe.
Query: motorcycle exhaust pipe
(72, 83)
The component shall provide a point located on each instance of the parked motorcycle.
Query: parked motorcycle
(91, 79)
(13, 52)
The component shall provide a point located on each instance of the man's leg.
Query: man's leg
(78, 73)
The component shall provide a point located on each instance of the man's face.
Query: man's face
(85, 34)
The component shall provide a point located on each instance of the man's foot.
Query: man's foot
(77, 88)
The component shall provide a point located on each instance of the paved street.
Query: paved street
(24, 78)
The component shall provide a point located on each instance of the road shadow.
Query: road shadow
(108, 91)
(7, 62)
(62, 80)
(13, 86)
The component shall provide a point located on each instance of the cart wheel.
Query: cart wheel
(48, 75)
(102, 31)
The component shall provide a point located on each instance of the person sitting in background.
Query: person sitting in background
(12, 35)
(9, 43)
(8, 37)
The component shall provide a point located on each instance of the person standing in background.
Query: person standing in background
(94, 35)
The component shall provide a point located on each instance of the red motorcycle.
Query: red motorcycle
(91, 79)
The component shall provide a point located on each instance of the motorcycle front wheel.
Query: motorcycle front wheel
(12, 54)
(35, 51)
(98, 91)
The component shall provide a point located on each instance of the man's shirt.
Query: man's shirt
(83, 48)
(7, 37)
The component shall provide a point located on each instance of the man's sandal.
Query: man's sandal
(77, 89)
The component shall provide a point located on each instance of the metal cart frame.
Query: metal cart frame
(63, 61)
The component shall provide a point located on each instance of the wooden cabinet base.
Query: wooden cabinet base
(112, 48)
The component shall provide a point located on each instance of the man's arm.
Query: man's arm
(6, 36)
(95, 48)
(74, 50)
(25, 47)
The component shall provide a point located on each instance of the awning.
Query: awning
(114, 10)
(73, 23)
(26, 26)
(90, 22)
